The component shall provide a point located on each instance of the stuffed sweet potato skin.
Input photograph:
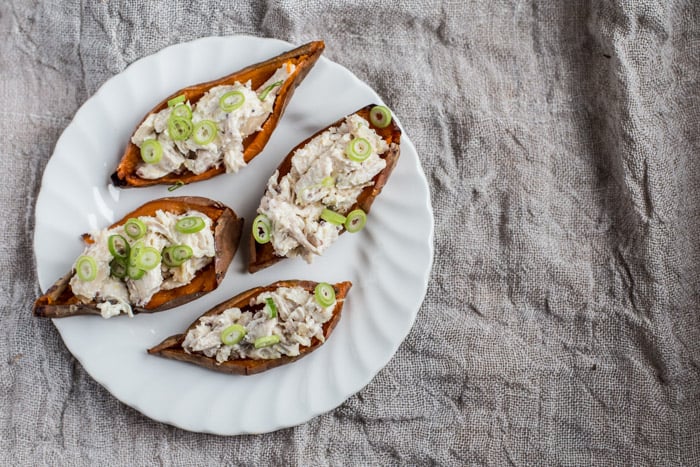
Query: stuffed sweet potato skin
(303, 57)
(59, 301)
(171, 347)
(263, 256)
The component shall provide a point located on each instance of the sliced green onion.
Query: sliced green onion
(231, 101)
(135, 273)
(86, 268)
(175, 255)
(328, 182)
(118, 268)
(176, 185)
(324, 294)
(358, 149)
(355, 220)
(135, 228)
(271, 308)
(233, 334)
(190, 224)
(118, 246)
(177, 100)
(332, 217)
(266, 91)
(181, 111)
(179, 128)
(133, 254)
(147, 258)
(266, 341)
(204, 132)
(262, 229)
(151, 151)
(380, 116)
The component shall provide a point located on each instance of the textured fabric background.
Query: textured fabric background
(561, 143)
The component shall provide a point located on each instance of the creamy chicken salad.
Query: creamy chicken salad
(280, 323)
(127, 265)
(211, 132)
(302, 213)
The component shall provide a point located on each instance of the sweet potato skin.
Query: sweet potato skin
(171, 347)
(59, 301)
(263, 256)
(303, 57)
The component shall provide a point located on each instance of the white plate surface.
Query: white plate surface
(388, 262)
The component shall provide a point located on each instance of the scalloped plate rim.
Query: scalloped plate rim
(349, 391)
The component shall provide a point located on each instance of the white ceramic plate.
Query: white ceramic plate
(388, 262)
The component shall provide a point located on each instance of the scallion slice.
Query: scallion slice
(262, 229)
(266, 341)
(189, 225)
(147, 258)
(135, 228)
(355, 220)
(135, 273)
(118, 246)
(151, 151)
(380, 116)
(271, 308)
(134, 253)
(231, 101)
(179, 128)
(176, 185)
(181, 111)
(324, 294)
(233, 334)
(86, 268)
(177, 100)
(266, 91)
(328, 182)
(118, 268)
(204, 132)
(332, 217)
(175, 255)
(358, 149)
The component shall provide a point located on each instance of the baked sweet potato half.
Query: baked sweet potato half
(297, 64)
(121, 264)
(253, 308)
(321, 171)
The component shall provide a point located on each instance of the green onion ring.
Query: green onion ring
(151, 151)
(262, 229)
(179, 128)
(118, 268)
(380, 116)
(118, 246)
(204, 132)
(355, 220)
(358, 149)
(233, 334)
(135, 228)
(148, 258)
(231, 101)
(324, 294)
(86, 268)
(189, 225)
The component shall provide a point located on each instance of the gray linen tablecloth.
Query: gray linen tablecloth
(561, 142)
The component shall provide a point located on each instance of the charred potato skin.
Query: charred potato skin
(59, 301)
(171, 347)
(303, 57)
(263, 256)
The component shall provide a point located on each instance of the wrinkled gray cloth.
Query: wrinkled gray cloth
(561, 142)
